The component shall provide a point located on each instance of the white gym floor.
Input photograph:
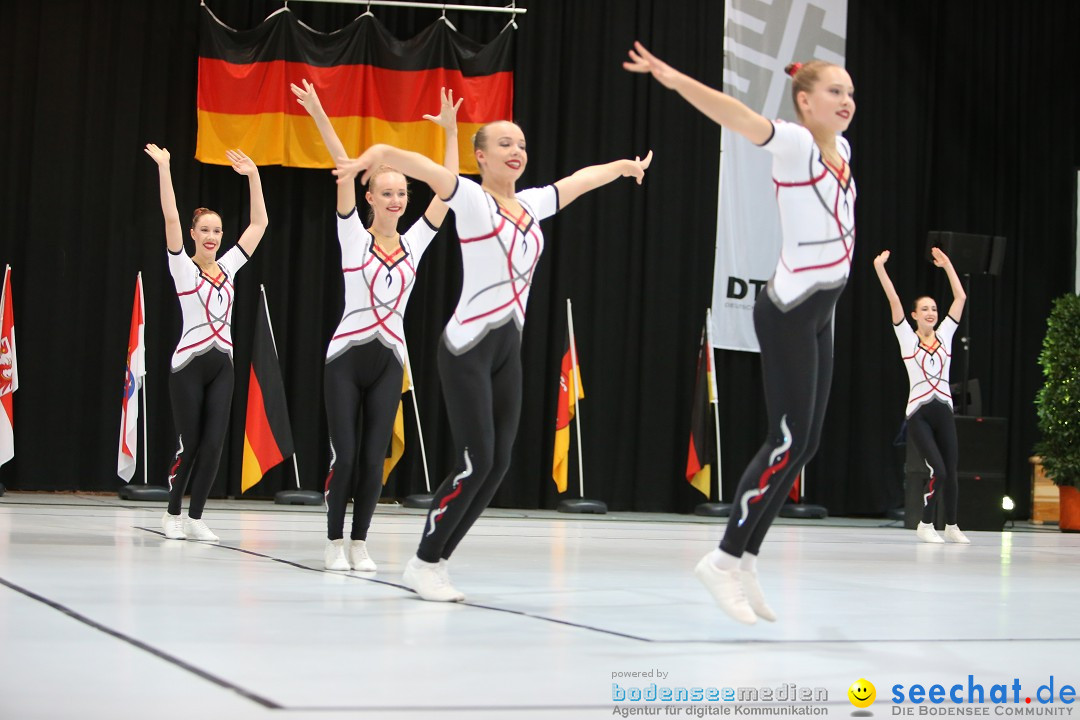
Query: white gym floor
(102, 617)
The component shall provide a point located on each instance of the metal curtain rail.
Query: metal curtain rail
(511, 9)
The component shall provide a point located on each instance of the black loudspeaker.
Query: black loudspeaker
(982, 455)
(970, 254)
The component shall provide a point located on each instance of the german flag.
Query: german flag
(698, 461)
(267, 433)
(374, 87)
(569, 384)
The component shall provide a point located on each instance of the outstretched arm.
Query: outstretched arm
(447, 119)
(242, 164)
(958, 294)
(589, 178)
(413, 164)
(720, 108)
(174, 232)
(309, 99)
(895, 306)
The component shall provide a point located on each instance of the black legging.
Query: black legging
(796, 363)
(933, 430)
(482, 388)
(201, 393)
(362, 387)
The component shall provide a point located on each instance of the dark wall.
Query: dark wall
(965, 122)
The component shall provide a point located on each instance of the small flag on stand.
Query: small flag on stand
(267, 434)
(397, 442)
(569, 386)
(134, 371)
(9, 371)
(699, 459)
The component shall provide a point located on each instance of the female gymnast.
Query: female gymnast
(201, 382)
(927, 355)
(366, 355)
(479, 356)
(793, 318)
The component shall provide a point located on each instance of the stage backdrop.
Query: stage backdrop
(759, 42)
(964, 123)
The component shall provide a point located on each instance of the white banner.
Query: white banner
(760, 39)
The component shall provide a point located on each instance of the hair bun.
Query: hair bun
(793, 68)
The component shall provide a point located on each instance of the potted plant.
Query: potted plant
(1058, 405)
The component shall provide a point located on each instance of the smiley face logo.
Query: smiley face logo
(862, 693)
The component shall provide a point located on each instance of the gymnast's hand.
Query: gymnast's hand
(636, 168)
(349, 168)
(880, 260)
(159, 154)
(307, 97)
(643, 61)
(940, 258)
(447, 117)
(241, 163)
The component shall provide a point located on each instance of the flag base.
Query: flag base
(2, 489)
(895, 514)
(145, 493)
(419, 502)
(595, 507)
(808, 512)
(298, 497)
(711, 509)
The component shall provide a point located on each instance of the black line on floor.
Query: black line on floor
(78, 617)
(628, 636)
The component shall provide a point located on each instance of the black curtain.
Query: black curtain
(965, 123)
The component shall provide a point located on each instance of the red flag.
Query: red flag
(133, 380)
(267, 432)
(794, 494)
(9, 372)
(698, 460)
(569, 375)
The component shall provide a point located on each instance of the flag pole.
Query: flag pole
(425, 499)
(3, 297)
(718, 508)
(581, 505)
(297, 496)
(574, 394)
(142, 387)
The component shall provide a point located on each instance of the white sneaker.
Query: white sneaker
(953, 534)
(197, 530)
(444, 569)
(425, 580)
(726, 587)
(755, 597)
(173, 525)
(334, 556)
(359, 559)
(927, 533)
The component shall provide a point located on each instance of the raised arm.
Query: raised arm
(309, 99)
(174, 231)
(895, 306)
(958, 294)
(447, 120)
(413, 164)
(258, 221)
(589, 178)
(720, 108)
